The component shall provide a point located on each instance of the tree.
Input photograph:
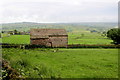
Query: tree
(15, 31)
(104, 34)
(114, 34)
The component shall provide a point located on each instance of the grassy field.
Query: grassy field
(73, 38)
(64, 63)
(17, 39)
(87, 38)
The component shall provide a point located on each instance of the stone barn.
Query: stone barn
(49, 37)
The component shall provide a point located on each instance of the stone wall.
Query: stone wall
(51, 41)
(59, 41)
(39, 41)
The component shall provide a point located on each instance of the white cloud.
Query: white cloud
(58, 10)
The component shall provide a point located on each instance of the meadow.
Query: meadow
(73, 38)
(17, 39)
(87, 38)
(63, 63)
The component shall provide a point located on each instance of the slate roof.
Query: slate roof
(45, 33)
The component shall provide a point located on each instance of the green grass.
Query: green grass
(87, 38)
(17, 39)
(73, 38)
(64, 63)
(90, 41)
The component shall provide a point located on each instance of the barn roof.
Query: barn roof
(45, 33)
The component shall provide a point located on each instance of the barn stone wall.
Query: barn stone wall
(51, 41)
(39, 41)
(59, 41)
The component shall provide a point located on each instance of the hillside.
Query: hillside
(100, 26)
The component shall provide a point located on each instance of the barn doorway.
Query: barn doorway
(50, 44)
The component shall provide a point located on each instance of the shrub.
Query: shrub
(114, 34)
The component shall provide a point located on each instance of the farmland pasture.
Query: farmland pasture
(73, 38)
(63, 63)
(17, 39)
(87, 38)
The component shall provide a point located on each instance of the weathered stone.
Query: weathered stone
(49, 37)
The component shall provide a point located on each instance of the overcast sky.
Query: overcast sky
(50, 11)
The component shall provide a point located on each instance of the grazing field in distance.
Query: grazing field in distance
(87, 38)
(17, 39)
(73, 38)
(78, 33)
(63, 63)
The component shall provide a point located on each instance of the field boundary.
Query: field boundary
(6, 45)
(93, 46)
